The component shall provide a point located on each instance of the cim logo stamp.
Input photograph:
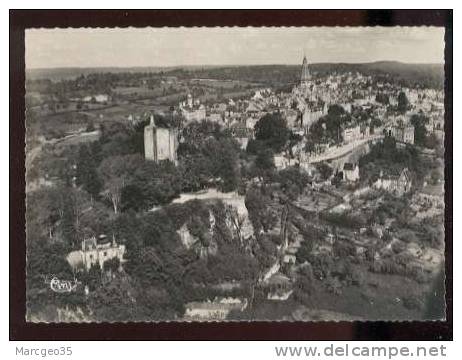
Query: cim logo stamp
(62, 286)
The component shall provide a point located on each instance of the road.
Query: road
(337, 152)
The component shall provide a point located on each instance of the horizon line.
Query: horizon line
(229, 65)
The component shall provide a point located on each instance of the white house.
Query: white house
(93, 253)
(350, 172)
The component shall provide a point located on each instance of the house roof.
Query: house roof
(396, 173)
(89, 243)
(278, 279)
(348, 166)
(405, 172)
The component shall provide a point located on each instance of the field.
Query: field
(58, 125)
(380, 298)
(316, 201)
(138, 91)
(225, 84)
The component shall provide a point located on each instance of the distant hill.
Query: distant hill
(57, 74)
(430, 75)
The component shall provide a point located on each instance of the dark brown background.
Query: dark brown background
(20, 330)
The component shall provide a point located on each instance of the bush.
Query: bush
(304, 285)
(333, 286)
(322, 265)
(343, 249)
(398, 247)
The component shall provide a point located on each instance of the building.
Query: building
(218, 309)
(350, 172)
(312, 114)
(305, 75)
(196, 113)
(93, 253)
(402, 133)
(215, 117)
(98, 98)
(398, 184)
(242, 134)
(282, 161)
(160, 143)
(351, 133)
(279, 287)
(292, 118)
(192, 110)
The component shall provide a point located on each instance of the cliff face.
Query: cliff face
(225, 220)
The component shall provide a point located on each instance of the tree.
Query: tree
(324, 170)
(420, 131)
(310, 145)
(114, 301)
(305, 283)
(322, 265)
(255, 146)
(343, 249)
(129, 228)
(304, 252)
(45, 208)
(208, 156)
(154, 184)
(293, 181)
(86, 174)
(195, 172)
(336, 116)
(111, 265)
(44, 261)
(116, 172)
(119, 139)
(224, 162)
(264, 162)
(260, 212)
(431, 141)
(272, 130)
(403, 102)
(94, 218)
(237, 222)
(435, 176)
(382, 98)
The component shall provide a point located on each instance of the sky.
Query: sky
(130, 47)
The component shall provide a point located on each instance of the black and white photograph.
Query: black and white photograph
(235, 174)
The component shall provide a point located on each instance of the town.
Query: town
(310, 192)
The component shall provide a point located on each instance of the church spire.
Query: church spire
(305, 76)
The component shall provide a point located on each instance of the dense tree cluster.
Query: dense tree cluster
(293, 181)
(403, 102)
(421, 136)
(329, 127)
(261, 214)
(272, 131)
(387, 157)
(208, 157)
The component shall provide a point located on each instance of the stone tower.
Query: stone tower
(305, 77)
(160, 143)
